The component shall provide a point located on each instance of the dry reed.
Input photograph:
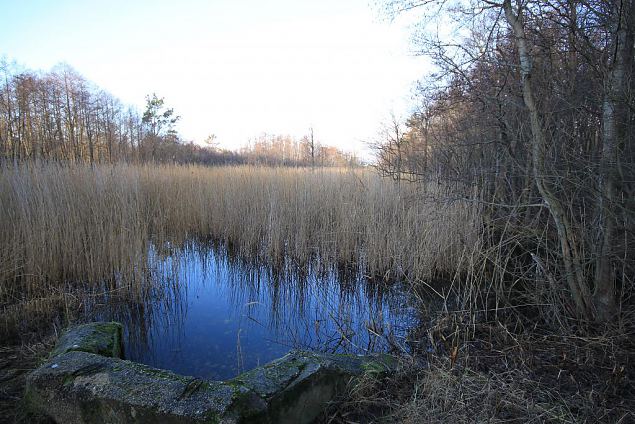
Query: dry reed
(68, 226)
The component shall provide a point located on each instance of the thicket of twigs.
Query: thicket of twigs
(530, 115)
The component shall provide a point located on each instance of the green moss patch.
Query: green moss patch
(100, 338)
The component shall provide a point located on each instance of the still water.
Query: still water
(213, 317)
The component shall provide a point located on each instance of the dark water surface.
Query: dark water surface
(213, 317)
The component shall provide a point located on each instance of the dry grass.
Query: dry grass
(438, 395)
(500, 377)
(15, 363)
(76, 229)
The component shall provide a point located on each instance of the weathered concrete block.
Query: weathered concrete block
(101, 338)
(76, 386)
(297, 387)
(80, 387)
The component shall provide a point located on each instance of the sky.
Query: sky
(233, 68)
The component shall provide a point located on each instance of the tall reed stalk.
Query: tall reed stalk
(65, 227)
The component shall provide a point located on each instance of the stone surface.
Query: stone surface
(101, 338)
(75, 386)
(80, 387)
(298, 386)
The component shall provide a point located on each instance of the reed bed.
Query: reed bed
(68, 227)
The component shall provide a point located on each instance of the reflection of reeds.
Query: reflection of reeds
(66, 227)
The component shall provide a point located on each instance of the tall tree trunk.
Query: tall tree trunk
(574, 275)
(614, 117)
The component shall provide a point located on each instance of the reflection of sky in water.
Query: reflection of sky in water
(213, 318)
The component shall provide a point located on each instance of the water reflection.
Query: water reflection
(211, 315)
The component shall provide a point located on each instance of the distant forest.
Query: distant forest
(60, 115)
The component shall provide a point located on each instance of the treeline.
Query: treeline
(286, 150)
(60, 115)
(530, 117)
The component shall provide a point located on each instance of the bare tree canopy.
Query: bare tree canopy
(59, 115)
(529, 114)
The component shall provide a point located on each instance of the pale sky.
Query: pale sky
(235, 68)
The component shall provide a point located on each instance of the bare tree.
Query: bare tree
(529, 115)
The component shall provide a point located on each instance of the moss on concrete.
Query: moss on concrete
(155, 372)
(100, 338)
(379, 365)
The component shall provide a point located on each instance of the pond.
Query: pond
(213, 316)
